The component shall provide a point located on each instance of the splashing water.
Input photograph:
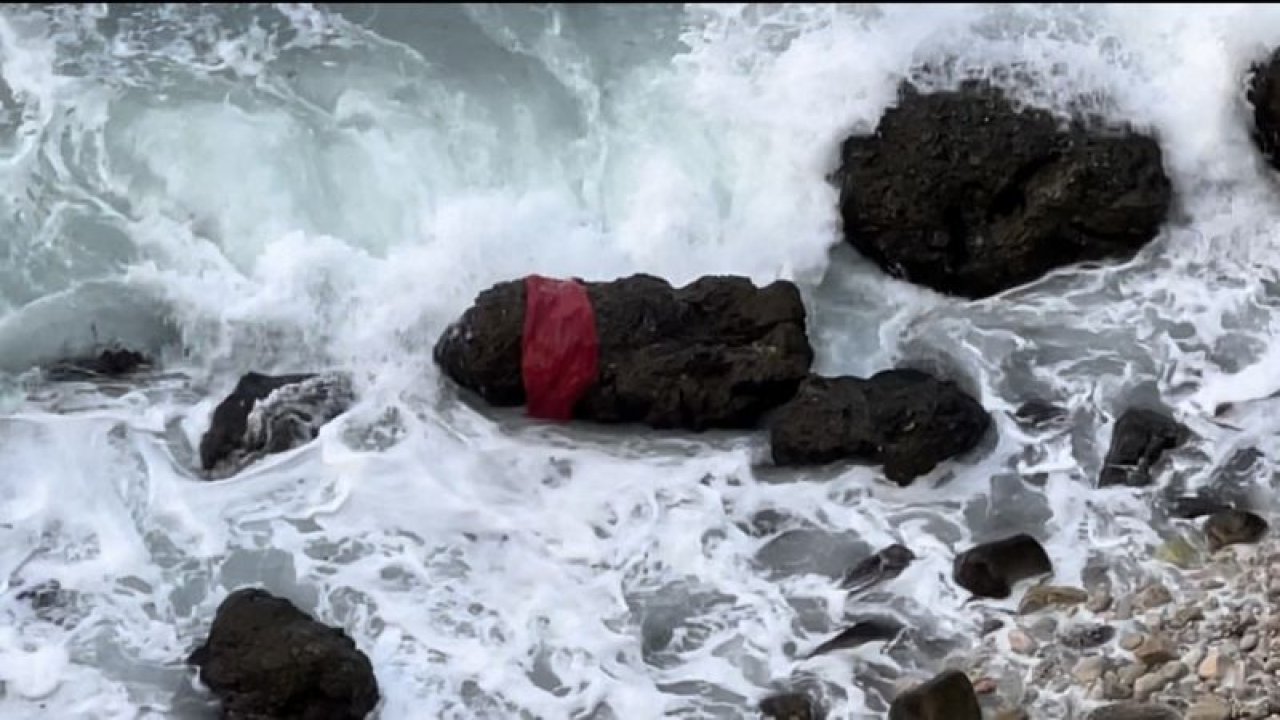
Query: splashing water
(302, 189)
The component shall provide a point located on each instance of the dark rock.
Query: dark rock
(1229, 527)
(905, 419)
(1087, 636)
(1036, 415)
(964, 193)
(1264, 95)
(265, 658)
(717, 353)
(790, 706)
(861, 633)
(1134, 711)
(110, 363)
(1189, 507)
(991, 569)
(887, 563)
(1139, 439)
(269, 414)
(948, 696)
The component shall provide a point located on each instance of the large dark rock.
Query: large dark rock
(1139, 439)
(790, 706)
(717, 353)
(991, 569)
(266, 659)
(948, 696)
(905, 419)
(1264, 95)
(269, 414)
(964, 193)
(1231, 526)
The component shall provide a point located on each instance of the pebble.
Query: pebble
(1129, 675)
(1153, 596)
(1210, 668)
(1130, 642)
(1148, 684)
(1154, 650)
(1249, 642)
(1174, 671)
(1089, 670)
(1040, 597)
(1208, 708)
(1086, 636)
(1022, 643)
(1099, 601)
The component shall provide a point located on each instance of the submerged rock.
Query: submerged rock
(905, 419)
(1050, 596)
(265, 658)
(965, 193)
(1229, 527)
(269, 414)
(717, 353)
(948, 696)
(790, 706)
(1138, 441)
(886, 564)
(861, 633)
(991, 569)
(110, 363)
(1264, 95)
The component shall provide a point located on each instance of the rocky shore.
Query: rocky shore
(1201, 641)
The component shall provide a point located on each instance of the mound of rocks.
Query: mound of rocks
(265, 658)
(269, 414)
(906, 419)
(966, 193)
(717, 353)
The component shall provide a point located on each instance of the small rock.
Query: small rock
(1134, 711)
(1154, 650)
(985, 686)
(1249, 642)
(1021, 643)
(789, 706)
(1039, 597)
(1130, 642)
(1153, 596)
(948, 696)
(1099, 601)
(1211, 667)
(1193, 656)
(1174, 671)
(1084, 637)
(1147, 684)
(1183, 616)
(1229, 527)
(1208, 708)
(1089, 669)
(1130, 674)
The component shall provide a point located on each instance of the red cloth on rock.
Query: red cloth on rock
(560, 350)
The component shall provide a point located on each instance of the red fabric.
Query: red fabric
(560, 351)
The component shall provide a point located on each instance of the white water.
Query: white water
(290, 189)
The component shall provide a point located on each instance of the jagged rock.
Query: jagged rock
(886, 564)
(905, 419)
(1139, 439)
(717, 353)
(861, 633)
(265, 658)
(991, 569)
(269, 414)
(947, 696)
(112, 362)
(964, 193)
(1228, 527)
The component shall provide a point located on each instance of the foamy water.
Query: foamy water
(296, 189)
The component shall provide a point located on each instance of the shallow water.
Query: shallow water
(295, 188)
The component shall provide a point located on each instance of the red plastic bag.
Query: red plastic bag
(560, 351)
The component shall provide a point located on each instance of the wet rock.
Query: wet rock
(947, 696)
(887, 563)
(1099, 601)
(861, 633)
(110, 363)
(1087, 636)
(1209, 708)
(1210, 668)
(1144, 686)
(1021, 643)
(1189, 507)
(1177, 552)
(905, 419)
(1046, 596)
(1131, 642)
(1089, 669)
(1134, 711)
(1264, 95)
(964, 193)
(717, 353)
(1037, 414)
(991, 569)
(269, 414)
(265, 658)
(1229, 527)
(1153, 596)
(1139, 439)
(790, 706)
(1155, 649)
